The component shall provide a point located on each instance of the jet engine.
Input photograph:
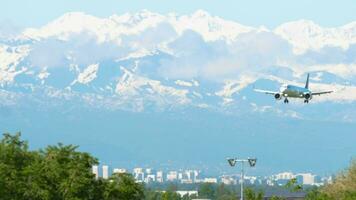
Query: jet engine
(278, 96)
(307, 96)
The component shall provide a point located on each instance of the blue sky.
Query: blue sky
(270, 13)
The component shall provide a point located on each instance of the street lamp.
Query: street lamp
(232, 162)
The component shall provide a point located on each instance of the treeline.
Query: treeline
(61, 172)
(57, 172)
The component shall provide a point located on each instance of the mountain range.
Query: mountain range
(147, 88)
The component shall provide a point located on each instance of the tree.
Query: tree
(206, 190)
(14, 159)
(293, 185)
(344, 186)
(171, 193)
(251, 195)
(58, 172)
(123, 187)
(277, 198)
(315, 194)
(223, 191)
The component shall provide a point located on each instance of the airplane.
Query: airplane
(292, 91)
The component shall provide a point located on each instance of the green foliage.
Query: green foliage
(58, 172)
(206, 190)
(293, 185)
(251, 195)
(344, 187)
(123, 187)
(315, 194)
(15, 159)
(224, 193)
(276, 198)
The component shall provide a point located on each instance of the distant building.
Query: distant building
(210, 180)
(306, 178)
(284, 176)
(119, 171)
(150, 178)
(172, 176)
(149, 171)
(139, 174)
(95, 170)
(159, 176)
(180, 175)
(228, 180)
(189, 192)
(195, 175)
(250, 179)
(105, 172)
(138, 170)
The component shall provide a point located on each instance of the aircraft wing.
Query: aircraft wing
(320, 93)
(266, 91)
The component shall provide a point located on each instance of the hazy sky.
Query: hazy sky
(270, 13)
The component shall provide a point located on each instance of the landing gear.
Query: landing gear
(286, 100)
(306, 101)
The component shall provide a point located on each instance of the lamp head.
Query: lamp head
(232, 161)
(252, 161)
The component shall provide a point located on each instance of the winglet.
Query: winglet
(307, 83)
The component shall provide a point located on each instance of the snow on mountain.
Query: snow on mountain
(302, 34)
(133, 85)
(306, 35)
(214, 60)
(73, 23)
(88, 74)
(187, 83)
(210, 27)
(10, 57)
(116, 26)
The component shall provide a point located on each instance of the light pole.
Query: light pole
(232, 162)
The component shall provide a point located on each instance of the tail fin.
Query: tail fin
(307, 83)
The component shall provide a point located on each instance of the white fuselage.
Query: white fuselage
(295, 91)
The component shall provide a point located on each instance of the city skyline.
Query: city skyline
(193, 176)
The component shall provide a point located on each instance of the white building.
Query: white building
(195, 175)
(139, 174)
(228, 180)
(150, 178)
(95, 170)
(210, 180)
(138, 170)
(149, 171)
(284, 176)
(188, 192)
(159, 176)
(180, 176)
(172, 176)
(307, 178)
(119, 171)
(105, 172)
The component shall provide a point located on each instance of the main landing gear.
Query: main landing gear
(286, 100)
(306, 101)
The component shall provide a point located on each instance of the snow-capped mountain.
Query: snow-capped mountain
(147, 88)
(305, 35)
(137, 61)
